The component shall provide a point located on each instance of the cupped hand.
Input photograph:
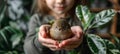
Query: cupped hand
(43, 37)
(73, 42)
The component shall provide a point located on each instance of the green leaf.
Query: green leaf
(15, 39)
(16, 36)
(9, 52)
(72, 52)
(2, 14)
(111, 48)
(117, 41)
(113, 51)
(103, 17)
(96, 44)
(3, 35)
(2, 5)
(84, 15)
(109, 44)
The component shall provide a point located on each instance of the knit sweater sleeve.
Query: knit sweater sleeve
(31, 43)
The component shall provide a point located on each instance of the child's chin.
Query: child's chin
(60, 12)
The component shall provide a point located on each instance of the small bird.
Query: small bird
(60, 30)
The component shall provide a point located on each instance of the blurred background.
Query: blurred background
(15, 15)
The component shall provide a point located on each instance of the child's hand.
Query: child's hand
(44, 39)
(73, 42)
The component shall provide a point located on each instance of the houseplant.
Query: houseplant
(95, 43)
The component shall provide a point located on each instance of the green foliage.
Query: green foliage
(86, 17)
(13, 25)
(10, 39)
(72, 52)
(96, 44)
(111, 48)
(103, 17)
(117, 41)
